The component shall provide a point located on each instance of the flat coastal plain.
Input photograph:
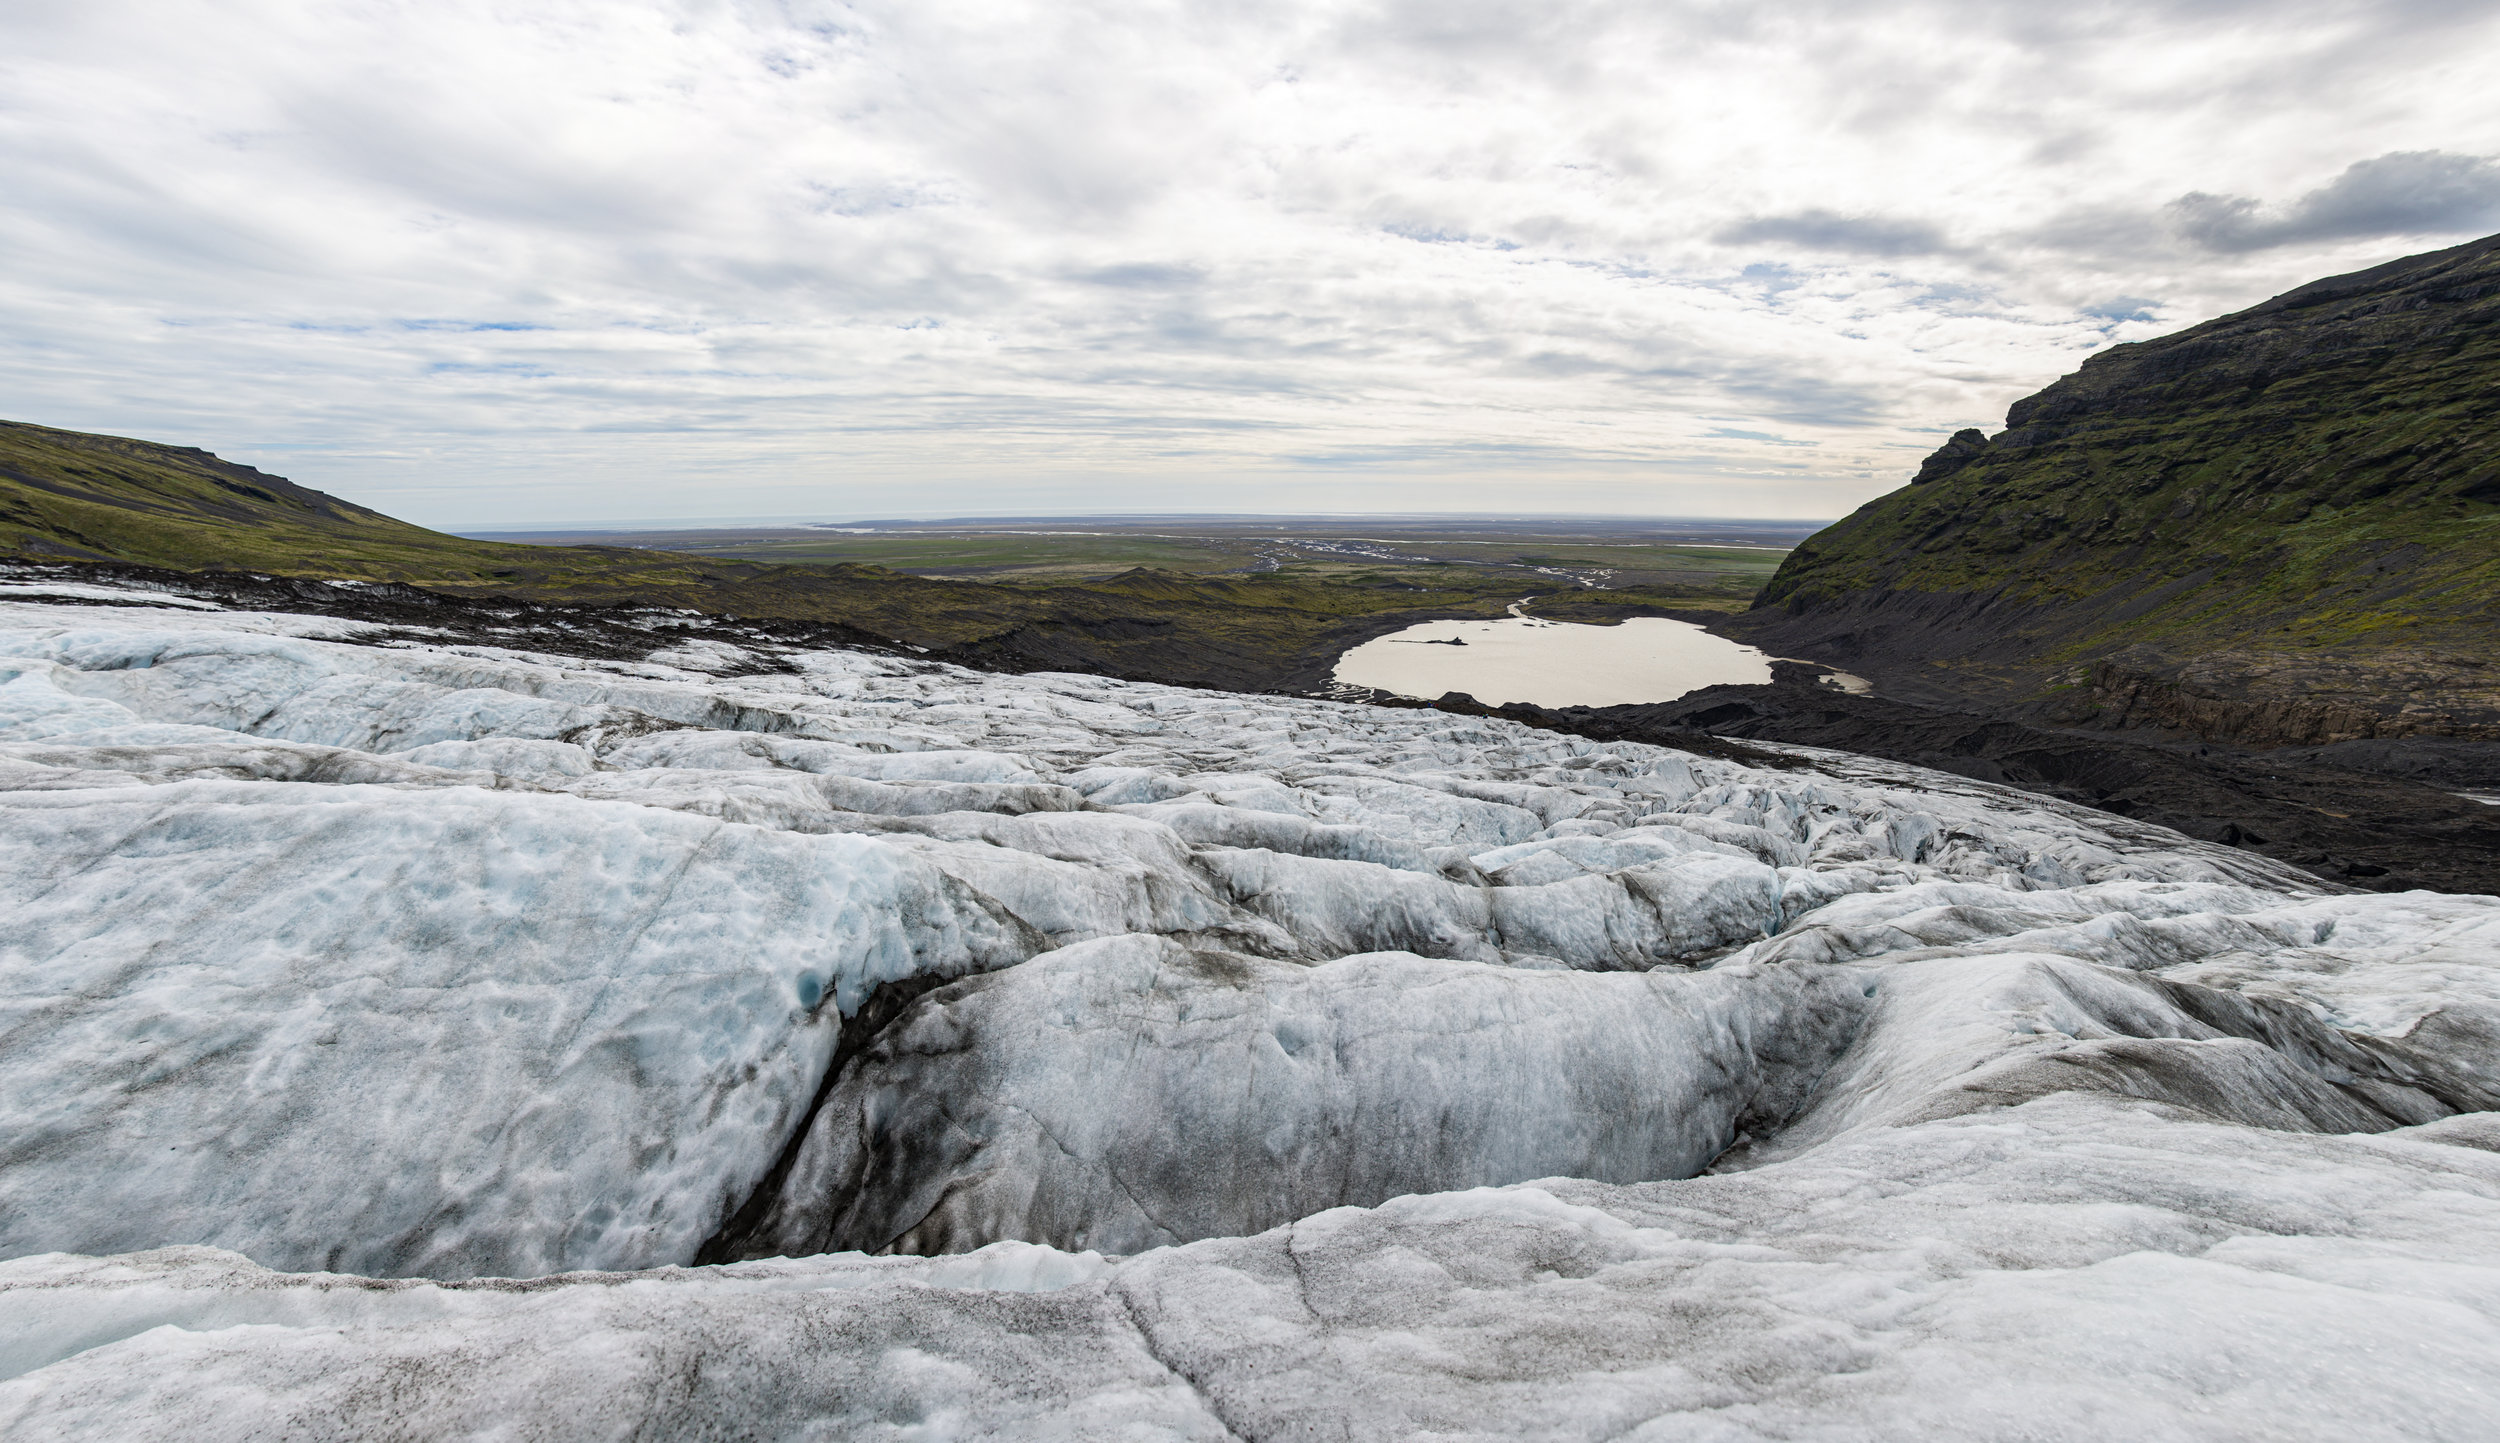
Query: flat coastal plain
(1712, 565)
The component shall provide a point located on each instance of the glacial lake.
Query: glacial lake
(1553, 663)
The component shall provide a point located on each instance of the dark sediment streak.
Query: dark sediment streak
(2380, 815)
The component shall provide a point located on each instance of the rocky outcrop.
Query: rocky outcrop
(1965, 447)
(2296, 700)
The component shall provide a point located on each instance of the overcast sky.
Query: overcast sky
(510, 263)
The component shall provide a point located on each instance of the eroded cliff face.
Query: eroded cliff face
(2279, 526)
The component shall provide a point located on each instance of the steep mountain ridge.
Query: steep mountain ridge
(2282, 525)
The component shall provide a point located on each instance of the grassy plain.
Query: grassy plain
(1242, 603)
(1545, 556)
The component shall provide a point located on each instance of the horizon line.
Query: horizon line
(646, 524)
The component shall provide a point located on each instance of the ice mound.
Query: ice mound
(1441, 1076)
(445, 1031)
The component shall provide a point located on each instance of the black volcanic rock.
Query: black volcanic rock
(1965, 447)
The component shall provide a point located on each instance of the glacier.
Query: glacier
(407, 1036)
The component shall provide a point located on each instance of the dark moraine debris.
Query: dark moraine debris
(2385, 816)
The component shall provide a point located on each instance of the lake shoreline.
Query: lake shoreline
(1538, 661)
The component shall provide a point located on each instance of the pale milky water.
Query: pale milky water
(1552, 663)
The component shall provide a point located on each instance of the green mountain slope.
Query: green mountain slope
(71, 496)
(2280, 525)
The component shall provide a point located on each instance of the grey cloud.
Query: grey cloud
(1730, 433)
(867, 200)
(2108, 230)
(2123, 308)
(1558, 363)
(772, 242)
(1426, 453)
(2404, 192)
(1825, 230)
(1793, 395)
(1144, 277)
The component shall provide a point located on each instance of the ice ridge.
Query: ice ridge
(372, 1009)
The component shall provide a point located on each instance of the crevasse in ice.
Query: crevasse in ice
(1249, 1067)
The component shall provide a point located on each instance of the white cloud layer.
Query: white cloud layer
(490, 263)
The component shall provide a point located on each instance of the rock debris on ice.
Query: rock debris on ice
(388, 1028)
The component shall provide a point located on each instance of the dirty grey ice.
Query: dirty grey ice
(401, 1038)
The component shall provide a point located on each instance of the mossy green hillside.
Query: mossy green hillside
(67, 495)
(2320, 471)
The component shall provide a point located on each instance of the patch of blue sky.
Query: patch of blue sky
(427, 323)
(1433, 235)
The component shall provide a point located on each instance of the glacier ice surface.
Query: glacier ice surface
(386, 1027)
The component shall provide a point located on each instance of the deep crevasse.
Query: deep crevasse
(442, 961)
